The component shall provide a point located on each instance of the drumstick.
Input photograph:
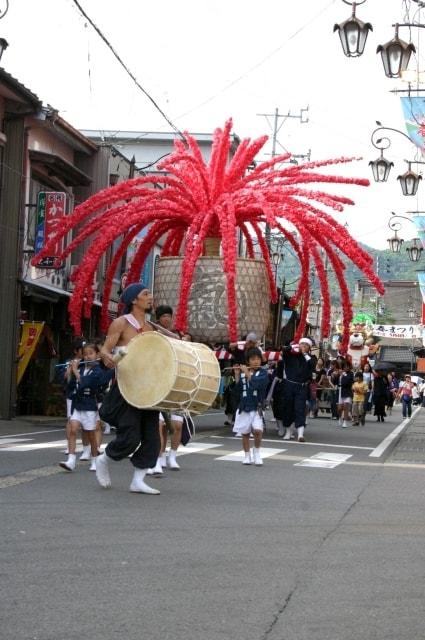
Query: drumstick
(165, 331)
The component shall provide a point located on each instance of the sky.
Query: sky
(205, 61)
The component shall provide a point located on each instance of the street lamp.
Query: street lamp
(409, 181)
(414, 251)
(353, 32)
(396, 53)
(395, 242)
(381, 168)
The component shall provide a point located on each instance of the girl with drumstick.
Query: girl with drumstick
(252, 384)
(89, 378)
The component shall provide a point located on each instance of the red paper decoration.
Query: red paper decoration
(199, 200)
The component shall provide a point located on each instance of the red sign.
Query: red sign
(54, 213)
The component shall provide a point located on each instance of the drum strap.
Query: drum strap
(134, 322)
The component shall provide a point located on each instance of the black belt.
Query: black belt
(302, 384)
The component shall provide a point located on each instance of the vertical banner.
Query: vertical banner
(414, 117)
(31, 332)
(51, 206)
(419, 221)
(55, 211)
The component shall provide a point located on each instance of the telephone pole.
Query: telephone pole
(279, 120)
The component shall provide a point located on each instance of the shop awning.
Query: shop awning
(57, 167)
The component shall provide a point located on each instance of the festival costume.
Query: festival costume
(137, 430)
(252, 393)
(295, 370)
(84, 406)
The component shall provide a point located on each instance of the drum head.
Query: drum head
(147, 372)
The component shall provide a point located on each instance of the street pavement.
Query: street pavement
(325, 541)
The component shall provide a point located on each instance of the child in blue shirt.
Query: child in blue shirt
(252, 385)
(90, 377)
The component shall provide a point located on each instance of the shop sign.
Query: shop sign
(51, 206)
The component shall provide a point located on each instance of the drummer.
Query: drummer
(137, 431)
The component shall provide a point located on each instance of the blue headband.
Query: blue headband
(130, 293)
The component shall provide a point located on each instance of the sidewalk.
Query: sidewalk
(410, 445)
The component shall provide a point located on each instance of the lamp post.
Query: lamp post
(395, 242)
(381, 167)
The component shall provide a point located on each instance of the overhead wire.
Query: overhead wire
(125, 67)
(272, 53)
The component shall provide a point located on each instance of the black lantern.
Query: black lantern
(395, 243)
(353, 34)
(414, 251)
(381, 168)
(395, 55)
(409, 182)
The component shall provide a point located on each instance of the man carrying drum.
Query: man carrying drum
(137, 431)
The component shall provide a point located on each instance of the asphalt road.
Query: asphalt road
(281, 552)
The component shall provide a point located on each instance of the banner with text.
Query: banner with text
(397, 331)
(31, 332)
(51, 206)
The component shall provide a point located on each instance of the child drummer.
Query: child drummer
(252, 385)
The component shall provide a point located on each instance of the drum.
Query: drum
(158, 372)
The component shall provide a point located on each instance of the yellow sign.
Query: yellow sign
(31, 332)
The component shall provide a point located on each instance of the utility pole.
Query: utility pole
(276, 127)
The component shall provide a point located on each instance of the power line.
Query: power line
(122, 63)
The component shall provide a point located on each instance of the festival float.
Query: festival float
(200, 210)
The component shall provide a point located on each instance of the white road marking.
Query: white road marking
(324, 460)
(379, 450)
(31, 433)
(191, 447)
(313, 444)
(333, 457)
(6, 441)
(33, 446)
(317, 464)
(238, 456)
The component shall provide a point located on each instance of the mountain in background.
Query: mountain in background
(388, 265)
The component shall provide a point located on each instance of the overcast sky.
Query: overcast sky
(204, 61)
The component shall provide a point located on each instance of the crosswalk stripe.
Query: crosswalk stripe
(197, 447)
(324, 460)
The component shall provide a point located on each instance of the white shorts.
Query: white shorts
(68, 407)
(248, 421)
(87, 419)
(345, 401)
(174, 418)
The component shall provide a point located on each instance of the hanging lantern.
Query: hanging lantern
(381, 168)
(353, 34)
(409, 182)
(414, 251)
(395, 55)
(395, 243)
